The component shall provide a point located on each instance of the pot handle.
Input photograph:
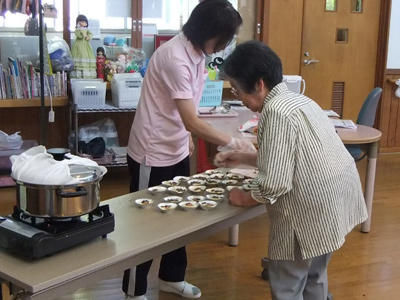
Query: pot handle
(80, 191)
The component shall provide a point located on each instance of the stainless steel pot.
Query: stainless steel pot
(62, 201)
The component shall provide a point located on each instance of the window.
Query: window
(109, 19)
(92, 9)
(169, 14)
(17, 20)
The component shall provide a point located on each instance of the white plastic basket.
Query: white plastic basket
(125, 89)
(88, 93)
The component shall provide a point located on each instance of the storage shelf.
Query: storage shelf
(9, 103)
(108, 107)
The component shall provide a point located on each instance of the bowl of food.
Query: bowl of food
(188, 205)
(215, 190)
(248, 181)
(157, 189)
(144, 202)
(246, 187)
(197, 188)
(196, 182)
(217, 176)
(181, 179)
(210, 172)
(234, 176)
(213, 182)
(173, 199)
(167, 207)
(196, 198)
(177, 190)
(215, 197)
(231, 187)
(170, 183)
(207, 204)
(200, 176)
(229, 182)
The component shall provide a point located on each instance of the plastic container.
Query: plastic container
(294, 83)
(125, 89)
(212, 94)
(88, 93)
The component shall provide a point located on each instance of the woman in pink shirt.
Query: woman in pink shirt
(160, 138)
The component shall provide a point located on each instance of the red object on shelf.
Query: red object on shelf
(202, 158)
(160, 39)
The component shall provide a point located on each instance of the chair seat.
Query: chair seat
(355, 152)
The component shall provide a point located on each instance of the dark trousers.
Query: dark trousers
(173, 264)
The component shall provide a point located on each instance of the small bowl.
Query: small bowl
(246, 187)
(213, 182)
(167, 207)
(144, 202)
(173, 199)
(229, 182)
(210, 172)
(188, 205)
(170, 183)
(177, 190)
(58, 153)
(200, 176)
(196, 182)
(248, 181)
(215, 197)
(215, 190)
(157, 189)
(234, 176)
(208, 204)
(196, 198)
(231, 187)
(217, 176)
(197, 188)
(181, 179)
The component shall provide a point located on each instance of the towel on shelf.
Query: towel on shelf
(36, 166)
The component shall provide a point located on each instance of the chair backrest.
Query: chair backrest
(368, 109)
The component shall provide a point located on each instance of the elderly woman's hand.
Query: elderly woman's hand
(231, 159)
(241, 198)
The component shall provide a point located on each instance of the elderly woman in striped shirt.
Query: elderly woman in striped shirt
(307, 178)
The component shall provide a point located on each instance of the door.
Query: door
(338, 53)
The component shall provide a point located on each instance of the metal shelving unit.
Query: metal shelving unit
(107, 108)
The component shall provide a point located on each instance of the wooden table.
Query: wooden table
(369, 137)
(140, 234)
(363, 135)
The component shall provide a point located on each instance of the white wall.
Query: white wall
(393, 60)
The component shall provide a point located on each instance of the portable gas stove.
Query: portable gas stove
(34, 237)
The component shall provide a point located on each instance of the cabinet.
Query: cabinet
(122, 118)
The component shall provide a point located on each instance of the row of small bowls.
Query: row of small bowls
(192, 202)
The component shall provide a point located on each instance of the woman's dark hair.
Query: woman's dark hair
(251, 61)
(81, 18)
(212, 19)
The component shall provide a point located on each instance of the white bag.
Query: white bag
(10, 142)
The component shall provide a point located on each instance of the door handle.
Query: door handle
(310, 61)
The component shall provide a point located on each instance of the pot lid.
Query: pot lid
(84, 173)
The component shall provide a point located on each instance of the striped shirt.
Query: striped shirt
(307, 178)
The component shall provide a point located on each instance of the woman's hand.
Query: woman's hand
(241, 198)
(234, 158)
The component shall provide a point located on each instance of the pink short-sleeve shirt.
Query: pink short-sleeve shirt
(158, 136)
